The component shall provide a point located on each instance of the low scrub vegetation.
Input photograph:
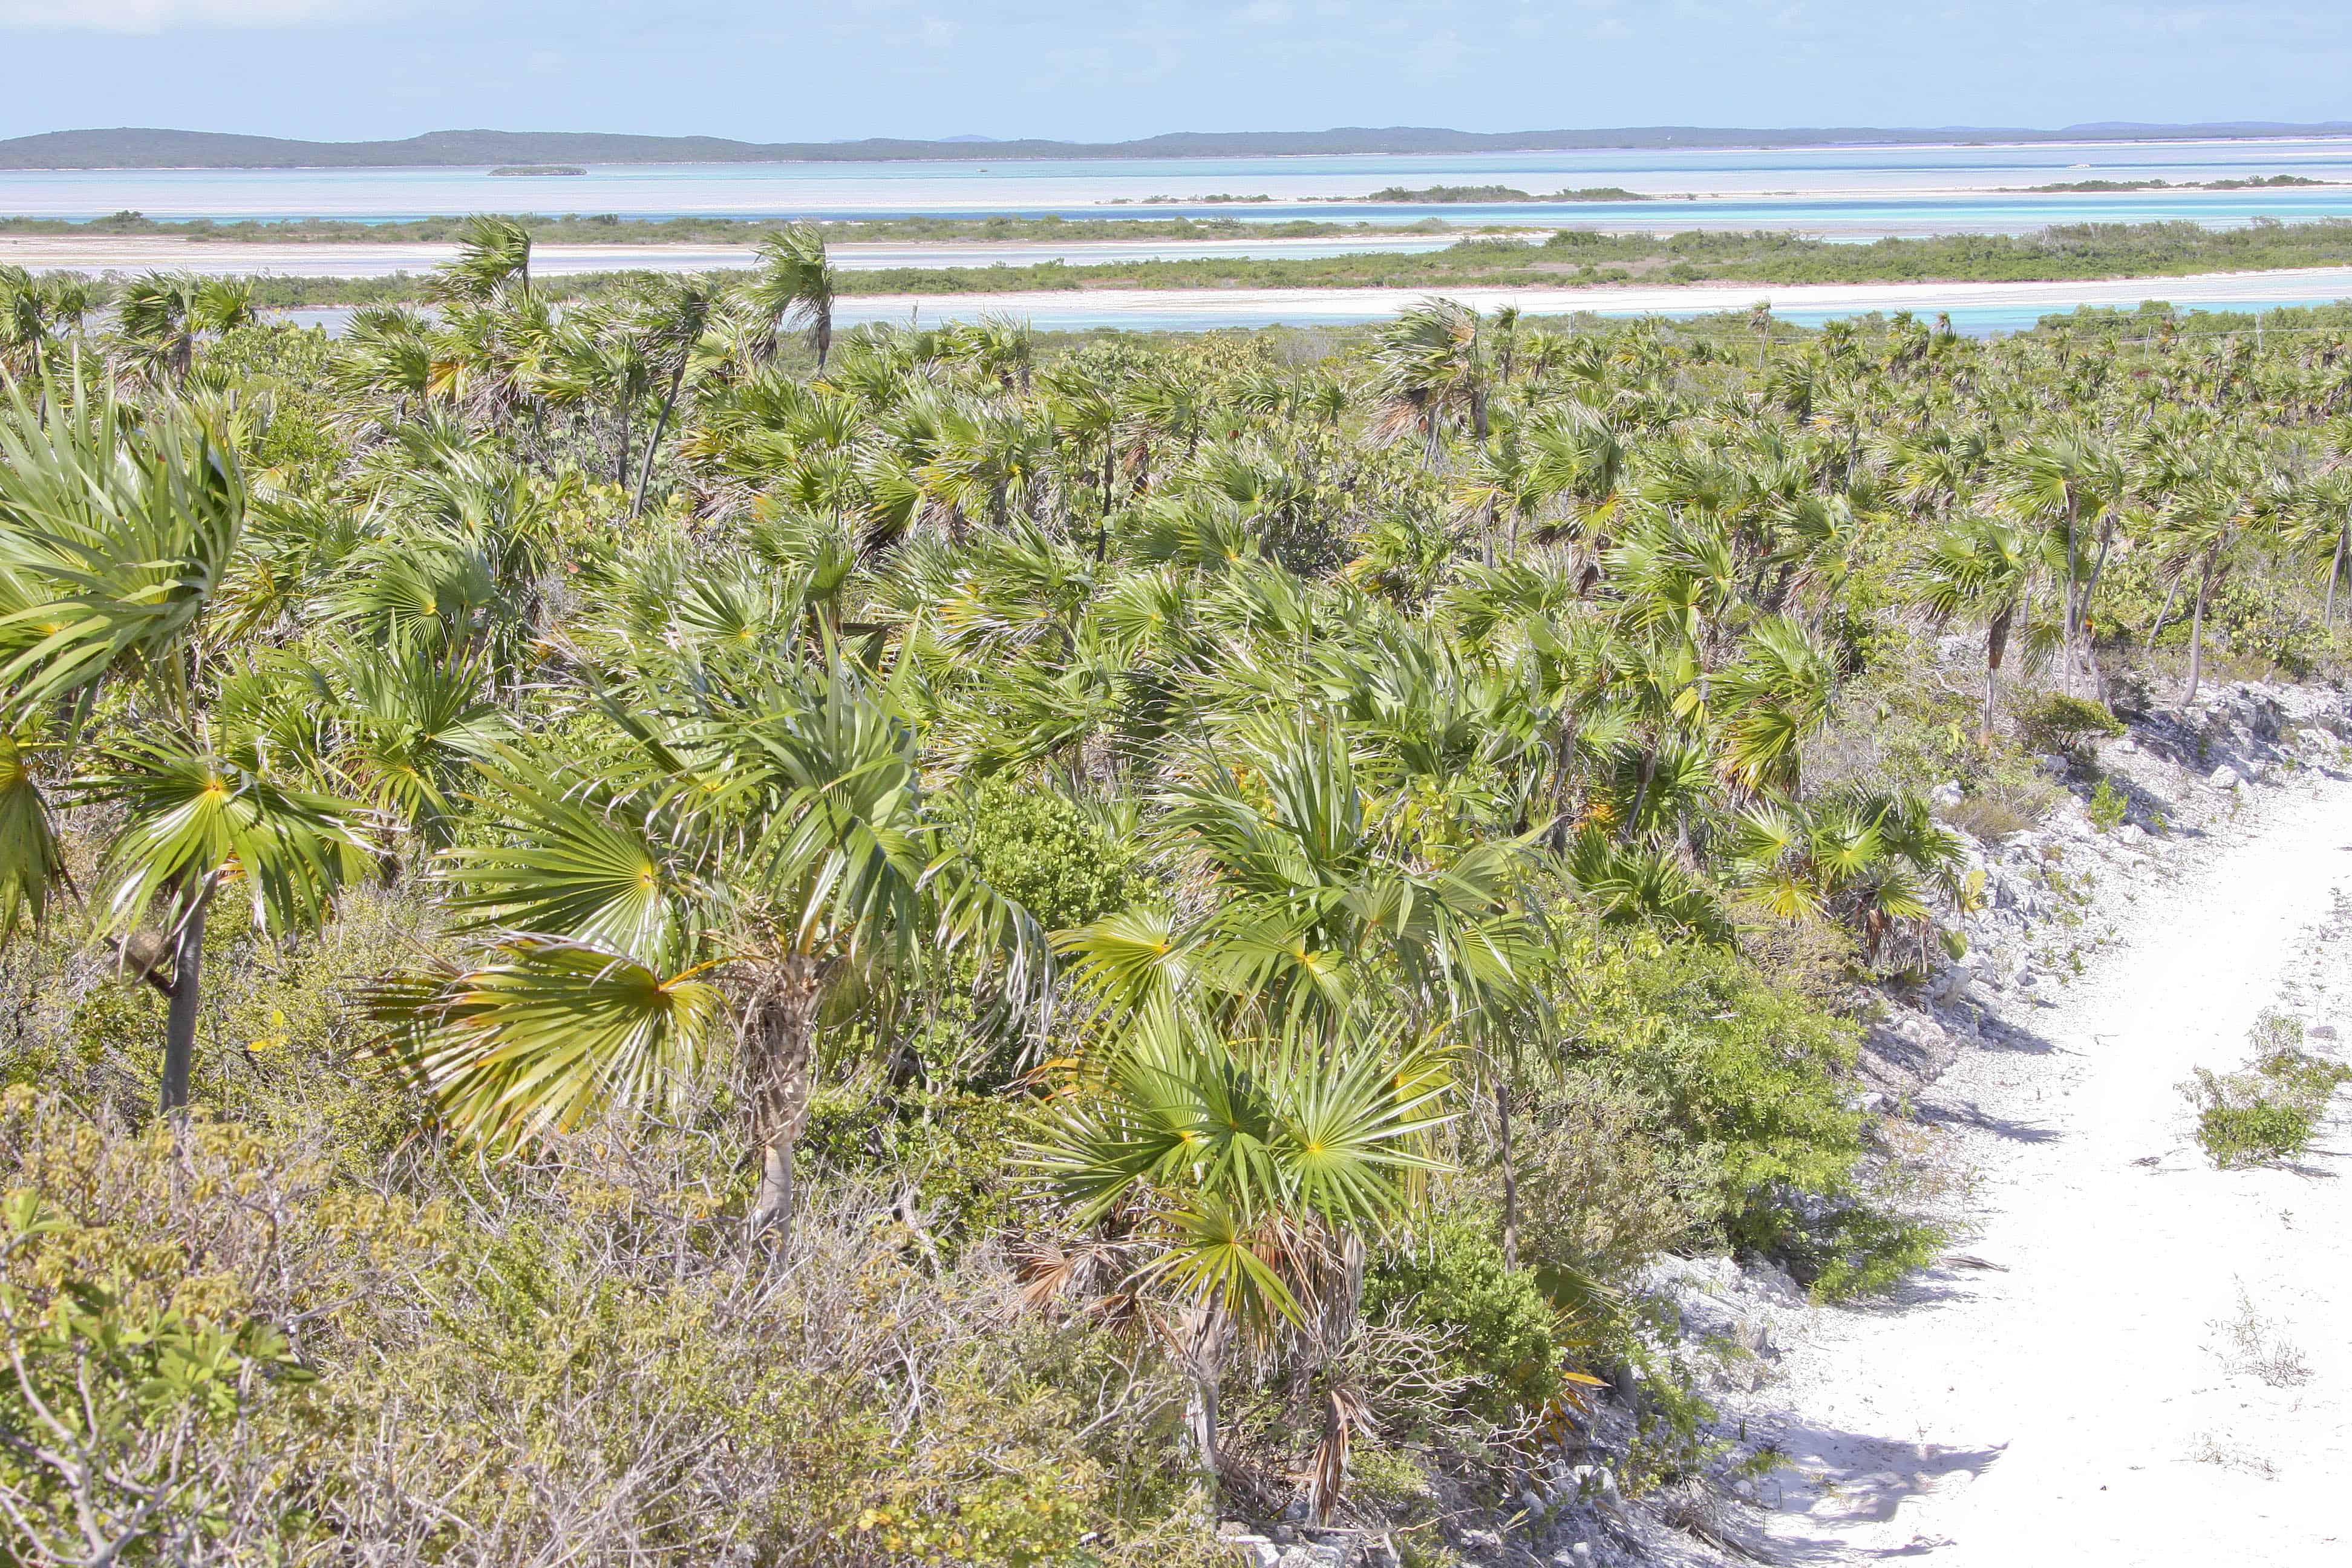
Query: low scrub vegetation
(633, 930)
(2270, 1112)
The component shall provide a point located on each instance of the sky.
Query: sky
(788, 71)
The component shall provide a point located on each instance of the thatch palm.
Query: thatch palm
(712, 879)
(1432, 372)
(682, 312)
(1977, 569)
(114, 538)
(1254, 1166)
(493, 259)
(795, 287)
(161, 316)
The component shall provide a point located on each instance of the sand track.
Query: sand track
(2145, 1361)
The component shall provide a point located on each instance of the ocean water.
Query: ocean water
(1842, 191)
(1977, 310)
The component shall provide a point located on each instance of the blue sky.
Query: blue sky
(793, 71)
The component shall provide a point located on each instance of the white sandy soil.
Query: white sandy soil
(2134, 1360)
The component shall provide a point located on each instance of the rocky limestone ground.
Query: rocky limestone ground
(1832, 1454)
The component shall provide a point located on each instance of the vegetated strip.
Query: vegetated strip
(609, 228)
(2074, 253)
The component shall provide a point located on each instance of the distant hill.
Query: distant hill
(150, 149)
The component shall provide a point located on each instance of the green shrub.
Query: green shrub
(1039, 847)
(1500, 1333)
(2271, 1111)
(1755, 1076)
(1863, 1251)
(2055, 721)
(2108, 806)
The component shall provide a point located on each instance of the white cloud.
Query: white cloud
(157, 15)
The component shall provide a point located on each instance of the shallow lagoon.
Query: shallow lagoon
(1842, 191)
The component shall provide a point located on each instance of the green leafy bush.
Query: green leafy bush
(2108, 806)
(1501, 1335)
(1752, 1076)
(2056, 721)
(2270, 1112)
(1861, 1251)
(1039, 847)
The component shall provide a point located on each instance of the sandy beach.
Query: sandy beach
(1187, 308)
(364, 259)
(1980, 306)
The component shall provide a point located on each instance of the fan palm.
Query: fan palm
(1252, 1165)
(733, 860)
(1432, 372)
(114, 541)
(160, 316)
(795, 286)
(1978, 568)
(493, 259)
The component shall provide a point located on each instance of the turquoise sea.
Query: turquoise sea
(1845, 191)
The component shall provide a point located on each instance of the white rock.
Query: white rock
(1946, 794)
(2225, 777)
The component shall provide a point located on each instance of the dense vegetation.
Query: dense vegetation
(947, 947)
(1568, 256)
(608, 229)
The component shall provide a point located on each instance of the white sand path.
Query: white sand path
(2082, 1402)
(2001, 304)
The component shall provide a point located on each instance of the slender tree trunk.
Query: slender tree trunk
(180, 1018)
(783, 1036)
(1996, 650)
(2334, 571)
(1204, 1330)
(661, 423)
(2165, 614)
(2196, 634)
(1510, 1171)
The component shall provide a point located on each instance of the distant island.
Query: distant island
(148, 148)
(1443, 194)
(538, 171)
(2083, 187)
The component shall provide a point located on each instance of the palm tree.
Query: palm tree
(493, 260)
(115, 536)
(1253, 1167)
(161, 316)
(1978, 568)
(795, 286)
(683, 313)
(1433, 371)
(2064, 480)
(742, 851)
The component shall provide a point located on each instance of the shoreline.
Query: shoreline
(980, 155)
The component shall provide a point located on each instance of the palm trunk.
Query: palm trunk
(1203, 1354)
(2335, 570)
(180, 1018)
(661, 423)
(1996, 650)
(2074, 584)
(2196, 633)
(782, 1033)
(1511, 1173)
(2165, 614)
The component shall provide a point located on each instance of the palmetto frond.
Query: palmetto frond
(1237, 1143)
(547, 1034)
(115, 534)
(30, 860)
(192, 815)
